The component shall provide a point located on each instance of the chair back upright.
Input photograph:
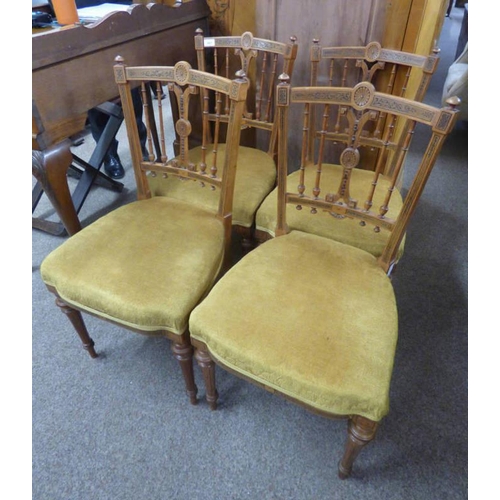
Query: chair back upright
(345, 115)
(184, 85)
(262, 61)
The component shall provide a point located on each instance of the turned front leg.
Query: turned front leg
(207, 366)
(184, 355)
(360, 432)
(77, 321)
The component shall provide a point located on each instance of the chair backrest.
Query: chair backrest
(184, 84)
(393, 72)
(346, 113)
(390, 71)
(262, 61)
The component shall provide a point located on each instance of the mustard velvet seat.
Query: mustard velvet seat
(130, 266)
(325, 339)
(255, 178)
(345, 230)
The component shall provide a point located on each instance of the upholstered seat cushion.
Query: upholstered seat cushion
(322, 223)
(255, 178)
(310, 317)
(144, 265)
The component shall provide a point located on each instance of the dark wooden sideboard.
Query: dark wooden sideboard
(72, 72)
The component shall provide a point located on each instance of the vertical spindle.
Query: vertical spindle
(146, 113)
(159, 94)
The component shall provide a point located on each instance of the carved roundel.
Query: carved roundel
(183, 127)
(120, 74)
(181, 72)
(373, 51)
(363, 95)
(246, 40)
(349, 158)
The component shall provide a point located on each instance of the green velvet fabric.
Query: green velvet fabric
(322, 223)
(255, 178)
(144, 265)
(310, 317)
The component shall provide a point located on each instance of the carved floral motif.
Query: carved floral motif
(393, 56)
(246, 40)
(321, 95)
(282, 97)
(280, 48)
(349, 158)
(444, 121)
(363, 94)
(385, 103)
(373, 51)
(120, 74)
(183, 127)
(181, 72)
(153, 74)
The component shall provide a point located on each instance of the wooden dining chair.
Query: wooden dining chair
(262, 60)
(391, 72)
(307, 317)
(147, 264)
